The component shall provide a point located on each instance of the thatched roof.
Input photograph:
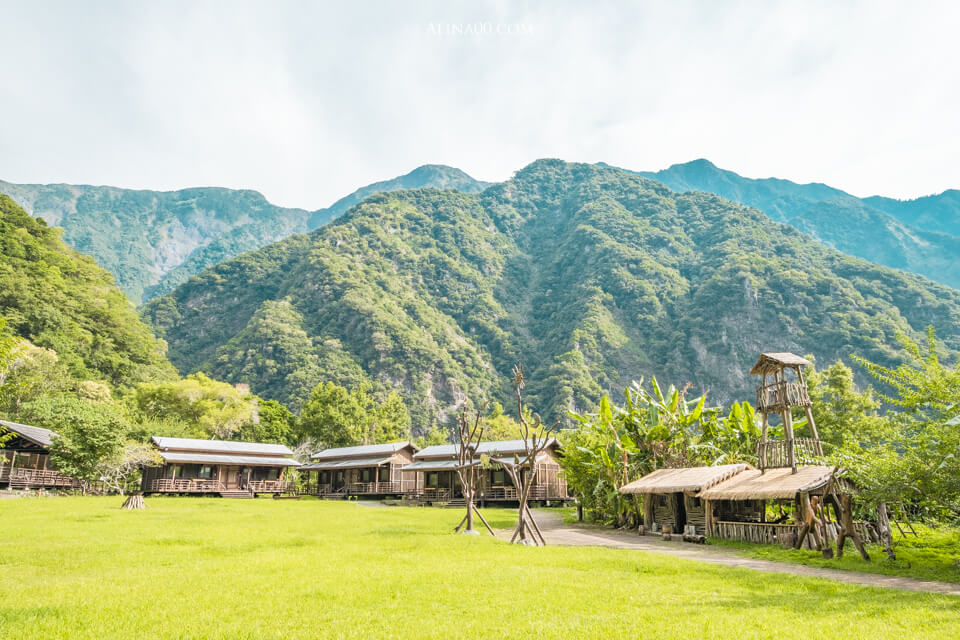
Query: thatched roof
(770, 362)
(682, 480)
(774, 483)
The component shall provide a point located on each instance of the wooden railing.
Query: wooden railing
(360, 488)
(772, 454)
(267, 486)
(433, 493)
(781, 395)
(35, 478)
(185, 485)
(762, 532)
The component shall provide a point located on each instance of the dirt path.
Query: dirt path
(557, 533)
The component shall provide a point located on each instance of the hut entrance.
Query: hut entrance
(680, 513)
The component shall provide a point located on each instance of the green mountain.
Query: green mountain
(61, 300)
(591, 276)
(153, 241)
(922, 235)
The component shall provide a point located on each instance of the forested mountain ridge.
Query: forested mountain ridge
(591, 276)
(61, 300)
(921, 235)
(152, 241)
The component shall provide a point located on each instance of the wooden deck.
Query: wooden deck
(19, 478)
(203, 485)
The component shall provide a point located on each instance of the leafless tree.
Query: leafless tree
(469, 437)
(523, 468)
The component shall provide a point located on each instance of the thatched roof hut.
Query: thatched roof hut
(772, 484)
(684, 480)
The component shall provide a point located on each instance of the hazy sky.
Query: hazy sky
(308, 101)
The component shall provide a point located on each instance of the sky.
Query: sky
(306, 102)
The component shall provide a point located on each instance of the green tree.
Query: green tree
(274, 423)
(917, 457)
(89, 434)
(335, 416)
(217, 409)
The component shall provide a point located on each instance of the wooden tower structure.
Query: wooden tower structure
(778, 393)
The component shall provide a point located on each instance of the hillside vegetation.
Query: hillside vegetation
(921, 235)
(152, 241)
(61, 300)
(591, 276)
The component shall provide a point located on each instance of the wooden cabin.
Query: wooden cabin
(365, 470)
(229, 469)
(437, 479)
(25, 459)
(672, 496)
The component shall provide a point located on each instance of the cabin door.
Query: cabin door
(232, 476)
(680, 512)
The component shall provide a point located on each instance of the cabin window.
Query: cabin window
(273, 473)
(662, 500)
(499, 478)
(174, 471)
(205, 472)
(384, 474)
(695, 502)
(433, 479)
(339, 476)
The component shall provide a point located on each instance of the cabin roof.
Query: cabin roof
(682, 480)
(769, 362)
(752, 484)
(220, 446)
(365, 450)
(350, 463)
(432, 465)
(453, 465)
(188, 457)
(503, 447)
(36, 435)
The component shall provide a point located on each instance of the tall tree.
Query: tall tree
(338, 417)
(217, 409)
(89, 434)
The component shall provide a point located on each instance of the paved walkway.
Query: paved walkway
(557, 533)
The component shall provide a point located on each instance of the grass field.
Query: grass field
(213, 568)
(933, 555)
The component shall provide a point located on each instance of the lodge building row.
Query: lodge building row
(247, 469)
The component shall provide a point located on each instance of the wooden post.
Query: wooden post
(810, 420)
(708, 517)
(886, 534)
(648, 511)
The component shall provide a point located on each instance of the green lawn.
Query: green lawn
(213, 568)
(934, 555)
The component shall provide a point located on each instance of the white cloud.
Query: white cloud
(307, 102)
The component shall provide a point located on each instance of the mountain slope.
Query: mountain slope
(591, 276)
(153, 241)
(59, 299)
(922, 235)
